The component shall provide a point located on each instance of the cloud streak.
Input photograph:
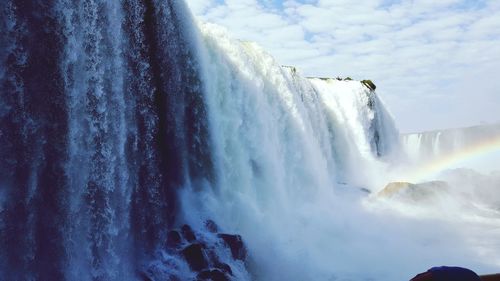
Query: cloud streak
(435, 62)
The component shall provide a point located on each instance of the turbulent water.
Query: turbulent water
(122, 120)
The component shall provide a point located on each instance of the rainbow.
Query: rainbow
(443, 162)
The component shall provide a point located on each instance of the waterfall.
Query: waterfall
(472, 147)
(102, 119)
(138, 144)
(284, 147)
(109, 108)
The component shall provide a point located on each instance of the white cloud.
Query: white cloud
(434, 62)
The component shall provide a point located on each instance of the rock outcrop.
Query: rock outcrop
(415, 192)
(201, 252)
(369, 84)
(235, 243)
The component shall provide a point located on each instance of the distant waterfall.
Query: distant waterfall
(428, 145)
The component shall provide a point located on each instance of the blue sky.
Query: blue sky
(436, 62)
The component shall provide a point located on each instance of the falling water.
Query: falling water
(102, 119)
(120, 121)
(285, 148)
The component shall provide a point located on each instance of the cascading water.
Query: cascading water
(102, 119)
(121, 120)
(361, 128)
(283, 145)
(293, 158)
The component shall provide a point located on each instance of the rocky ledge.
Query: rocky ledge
(203, 251)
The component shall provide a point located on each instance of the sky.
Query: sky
(436, 63)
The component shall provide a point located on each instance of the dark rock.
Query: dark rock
(214, 260)
(366, 190)
(371, 103)
(174, 239)
(211, 226)
(236, 245)
(214, 275)
(195, 256)
(369, 84)
(348, 79)
(293, 69)
(204, 275)
(144, 277)
(224, 267)
(188, 233)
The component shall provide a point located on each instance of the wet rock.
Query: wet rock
(224, 267)
(174, 239)
(200, 254)
(415, 192)
(195, 256)
(211, 226)
(204, 275)
(188, 233)
(144, 277)
(365, 190)
(293, 69)
(236, 245)
(369, 84)
(214, 275)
